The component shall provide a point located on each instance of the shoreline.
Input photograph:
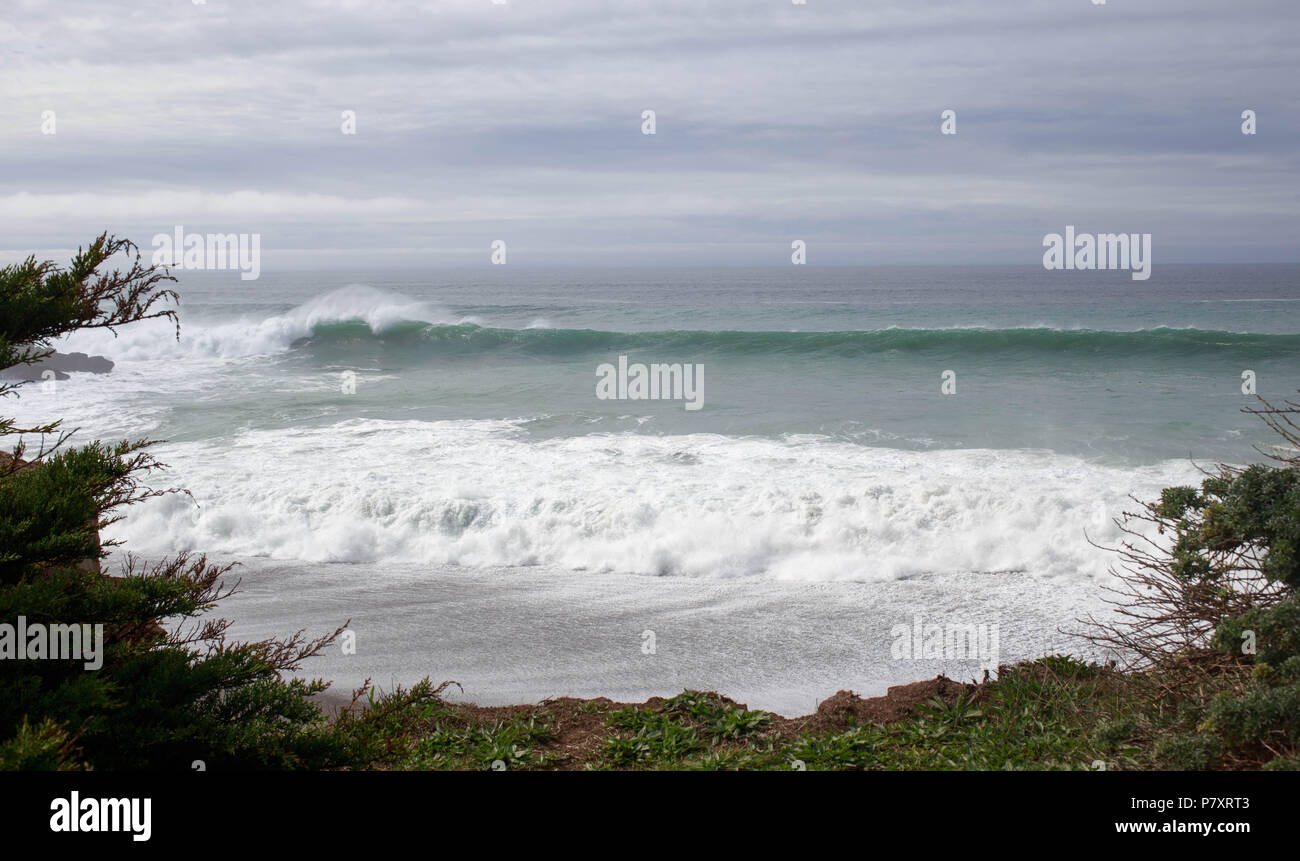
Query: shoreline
(897, 703)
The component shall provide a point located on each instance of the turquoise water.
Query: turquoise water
(1091, 364)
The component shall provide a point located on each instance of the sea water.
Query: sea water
(426, 456)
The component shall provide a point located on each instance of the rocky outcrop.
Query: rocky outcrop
(898, 702)
(61, 364)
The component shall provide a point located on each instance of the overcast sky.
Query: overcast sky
(775, 121)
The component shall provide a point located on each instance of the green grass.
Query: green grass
(502, 746)
(1055, 713)
(1052, 714)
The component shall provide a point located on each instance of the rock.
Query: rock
(60, 364)
(897, 703)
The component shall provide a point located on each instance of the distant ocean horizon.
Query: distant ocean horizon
(864, 433)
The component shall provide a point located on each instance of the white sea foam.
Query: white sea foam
(483, 494)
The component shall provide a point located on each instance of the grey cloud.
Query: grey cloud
(774, 120)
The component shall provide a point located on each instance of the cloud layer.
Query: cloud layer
(522, 121)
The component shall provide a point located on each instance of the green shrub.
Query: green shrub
(171, 689)
(44, 747)
(1191, 752)
(1262, 715)
(1275, 631)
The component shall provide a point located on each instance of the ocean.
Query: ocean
(870, 451)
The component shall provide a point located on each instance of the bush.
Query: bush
(166, 694)
(44, 747)
(1193, 752)
(1221, 591)
(1274, 632)
(1263, 716)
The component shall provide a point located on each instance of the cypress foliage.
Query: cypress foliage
(172, 688)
